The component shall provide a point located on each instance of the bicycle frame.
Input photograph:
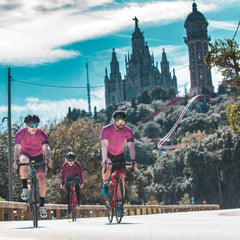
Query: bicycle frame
(114, 176)
(113, 204)
(33, 200)
(73, 198)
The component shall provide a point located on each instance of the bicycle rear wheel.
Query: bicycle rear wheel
(34, 203)
(110, 207)
(119, 202)
(73, 206)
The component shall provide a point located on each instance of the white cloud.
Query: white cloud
(54, 110)
(32, 34)
(214, 25)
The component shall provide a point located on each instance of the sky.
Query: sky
(46, 45)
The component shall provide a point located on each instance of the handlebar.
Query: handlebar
(119, 164)
(32, 163)
(74, 181)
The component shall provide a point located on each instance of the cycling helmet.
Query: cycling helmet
(31, 118)
(70, 155)
(119, 114)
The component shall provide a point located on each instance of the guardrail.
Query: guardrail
(18, 211)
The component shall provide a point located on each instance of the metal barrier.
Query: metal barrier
(18, 211)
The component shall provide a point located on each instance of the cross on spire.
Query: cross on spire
(136, 22)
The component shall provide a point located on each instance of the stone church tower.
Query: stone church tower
(197, 41)
(141, 72)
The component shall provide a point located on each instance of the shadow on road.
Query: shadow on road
(29, 227)
(123, 223)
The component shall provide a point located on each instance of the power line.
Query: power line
(54, 86)
(236, 30)
(59, 86)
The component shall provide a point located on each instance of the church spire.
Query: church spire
(114, 64)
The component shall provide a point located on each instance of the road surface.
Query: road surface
(207, 225)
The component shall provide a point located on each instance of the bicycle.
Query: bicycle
(115, 205)
(33, 200)
(73, 198)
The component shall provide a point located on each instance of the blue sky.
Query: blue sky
(48, 43)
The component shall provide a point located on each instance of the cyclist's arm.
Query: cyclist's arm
(16, 155)
(47, 153)
(80, 173)
(104, 151)
(62, 177)
(131, 148)
(132, 153)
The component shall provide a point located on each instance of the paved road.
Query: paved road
(207, 225)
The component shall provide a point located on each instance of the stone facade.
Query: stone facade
(197, 41)
(141, 72)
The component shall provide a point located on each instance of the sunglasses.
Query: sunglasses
(33, 126)
(120, 121)
(70, 159)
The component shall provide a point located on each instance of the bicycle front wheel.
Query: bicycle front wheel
(34, 204)
(119, 201)
(73, 206)
(110, 206)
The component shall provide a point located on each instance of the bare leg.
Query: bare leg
(24, 169)
(42, 184)
(106, 175)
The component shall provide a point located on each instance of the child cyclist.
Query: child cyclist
(71, 169)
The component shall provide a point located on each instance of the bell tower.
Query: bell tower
(197, 41)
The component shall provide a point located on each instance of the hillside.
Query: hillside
(206, 168)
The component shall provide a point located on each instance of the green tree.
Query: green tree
(225, 55)
(158, 93)
(144, 97)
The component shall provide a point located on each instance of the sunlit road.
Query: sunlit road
(219, 224)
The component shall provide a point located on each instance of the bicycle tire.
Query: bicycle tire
(119, 202)
(110, 207)
(34, 204)
(73, 207)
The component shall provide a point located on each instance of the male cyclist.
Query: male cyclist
(113, 139)
(31, 143)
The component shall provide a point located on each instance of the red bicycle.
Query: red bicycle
(73, 198)
(113, 203)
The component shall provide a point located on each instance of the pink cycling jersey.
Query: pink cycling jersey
(31, 144)
(71, 171)
(116, 139)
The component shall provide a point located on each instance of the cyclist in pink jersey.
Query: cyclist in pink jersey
(31, 143)
(113, 138)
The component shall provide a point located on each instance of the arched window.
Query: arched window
(201, 75)
(199, 54)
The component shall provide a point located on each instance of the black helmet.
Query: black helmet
(31, 118)
(70, 155)
(119, 114)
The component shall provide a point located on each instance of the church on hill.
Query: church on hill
(141, 72)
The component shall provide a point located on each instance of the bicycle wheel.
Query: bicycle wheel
(34, 204)
(110, 207)
(73, 206)
(119, 202)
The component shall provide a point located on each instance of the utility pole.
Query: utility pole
(88, 90)
(9, 137)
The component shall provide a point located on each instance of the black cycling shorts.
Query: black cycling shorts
(39, 158)
(117, 159)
